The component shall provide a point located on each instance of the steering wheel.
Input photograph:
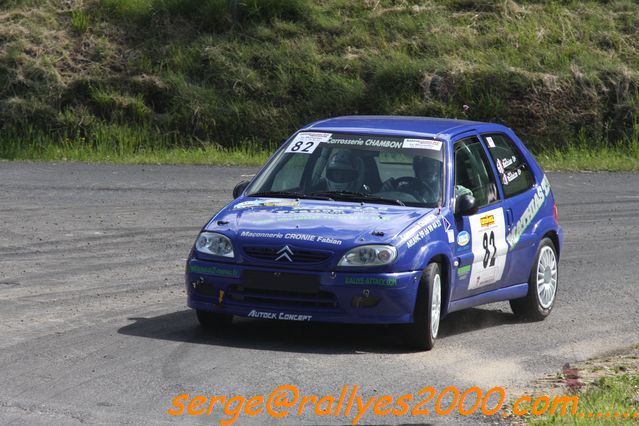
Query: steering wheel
(414, 187)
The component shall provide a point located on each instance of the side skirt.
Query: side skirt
(513, 292)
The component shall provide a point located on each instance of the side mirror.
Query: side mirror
(239, 188)
(465, 205)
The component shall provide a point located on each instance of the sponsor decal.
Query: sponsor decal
(279, 315)
(292, 236)
(325, 216)
(220, 297)
(250, 234)
(529, 214)
(280, 203)
(375, 143)
(329, 240)
(247, 204)
(463, 271)
(213, 270)
(463, 238)
(491, 143)
(340, 210)
(383, 143)
(449, 232)
(422, 229)
(266, 203)
(300, 237)
(387, 282)
(422, 144)
(486, 221)
(507, 162)
(508, 177)
(347, 214)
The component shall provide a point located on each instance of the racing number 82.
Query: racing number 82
(298, 146)
(489, 255)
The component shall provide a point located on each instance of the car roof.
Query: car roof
(441, 128)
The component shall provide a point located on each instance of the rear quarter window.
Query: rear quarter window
(514, 172)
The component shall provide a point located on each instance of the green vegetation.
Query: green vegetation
(181, 81)
(125, 145)
(617, 394)
(588, 154)
(592, 158)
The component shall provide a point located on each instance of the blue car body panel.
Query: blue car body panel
(321, 232)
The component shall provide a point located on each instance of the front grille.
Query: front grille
(281, 289)
(298, 256)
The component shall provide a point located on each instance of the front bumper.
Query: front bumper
(301, 295)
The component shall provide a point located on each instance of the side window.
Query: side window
(514, 172)
(473, 174)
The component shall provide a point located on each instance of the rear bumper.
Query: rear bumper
(300, 295)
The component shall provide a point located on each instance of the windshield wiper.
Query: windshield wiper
(290, 194)
(358, 196)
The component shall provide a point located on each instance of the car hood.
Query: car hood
(309, 222)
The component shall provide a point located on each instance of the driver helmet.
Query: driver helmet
(427, 170)
(344, 171)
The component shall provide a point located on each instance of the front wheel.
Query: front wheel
(542, 285)
(213, 320)
(421, 334)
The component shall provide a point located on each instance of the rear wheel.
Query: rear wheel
(213, 320)
(542, 285)
(421, 334)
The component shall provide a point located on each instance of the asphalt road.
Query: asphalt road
(94, 327)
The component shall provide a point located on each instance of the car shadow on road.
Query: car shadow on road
(474, 319)
(289, 336)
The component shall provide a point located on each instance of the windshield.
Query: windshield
(349, 167)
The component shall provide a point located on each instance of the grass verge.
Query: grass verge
(195, 156)
(607, 386)
(610, 400)
(126, 145)
(580, 158)
(198, 156)
(128, 150)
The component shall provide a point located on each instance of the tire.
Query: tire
(212, 320)
(539, 301)
(422, 333)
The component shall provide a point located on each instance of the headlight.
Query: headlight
(373, 255)
(215, 244)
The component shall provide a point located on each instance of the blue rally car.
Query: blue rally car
(385, 220)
